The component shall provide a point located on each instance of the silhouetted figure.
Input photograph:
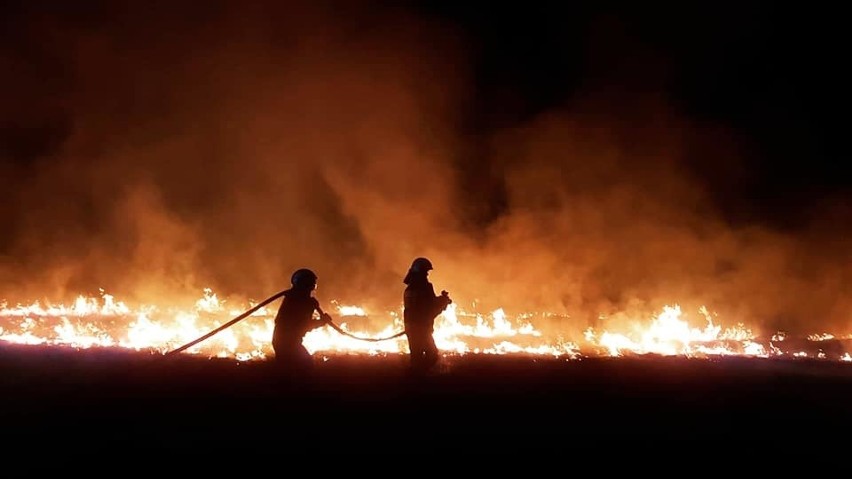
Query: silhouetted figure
(421, 307)
(295, 319)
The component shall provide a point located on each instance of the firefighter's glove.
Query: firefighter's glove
(446, 297)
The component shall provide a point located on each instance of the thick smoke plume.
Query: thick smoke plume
(157, 150)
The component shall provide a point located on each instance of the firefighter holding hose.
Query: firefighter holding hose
(421, 307)
(295, 318)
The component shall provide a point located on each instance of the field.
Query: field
(100, 398)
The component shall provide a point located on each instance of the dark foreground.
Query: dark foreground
(97, 399)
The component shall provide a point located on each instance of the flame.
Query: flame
(669, 335)
(104, 322)
(351, 311)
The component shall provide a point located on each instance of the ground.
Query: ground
(103, 398)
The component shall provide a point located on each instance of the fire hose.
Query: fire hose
(262, 304)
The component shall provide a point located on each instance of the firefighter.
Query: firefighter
(294, 319)
(420, 308)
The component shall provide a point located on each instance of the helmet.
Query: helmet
(304, 278)
(421, 265)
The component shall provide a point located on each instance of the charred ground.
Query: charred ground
(103, 398)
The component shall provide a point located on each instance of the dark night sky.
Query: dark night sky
(772, 74)
(604, 136)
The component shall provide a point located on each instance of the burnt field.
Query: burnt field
(101, 398)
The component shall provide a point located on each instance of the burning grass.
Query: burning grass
(105, 322)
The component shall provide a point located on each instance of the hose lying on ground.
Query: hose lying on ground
(257, 307)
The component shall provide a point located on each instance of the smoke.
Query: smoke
(172, 148)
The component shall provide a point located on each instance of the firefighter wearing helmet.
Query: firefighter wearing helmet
(295, 318)
(421, 307)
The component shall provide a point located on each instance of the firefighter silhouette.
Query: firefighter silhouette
(421, 307)
(294, 319)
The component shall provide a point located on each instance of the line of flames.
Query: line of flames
(104, 322)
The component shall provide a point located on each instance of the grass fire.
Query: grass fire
(106, 322)
(640, 218)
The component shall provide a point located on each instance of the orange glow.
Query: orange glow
(105, 322)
